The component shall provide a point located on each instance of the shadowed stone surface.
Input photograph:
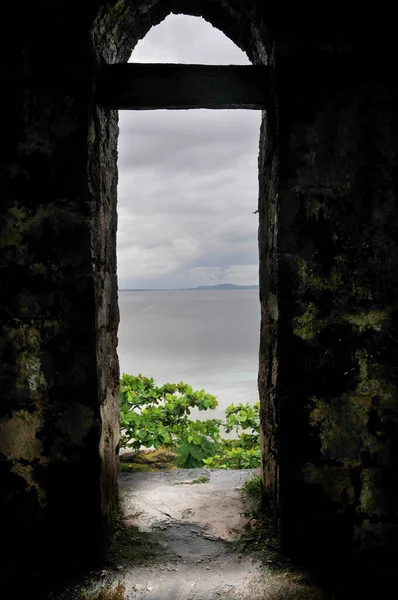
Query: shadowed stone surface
(170, 86)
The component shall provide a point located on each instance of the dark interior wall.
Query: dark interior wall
(327, 241)
(331, 380)
(59, 371)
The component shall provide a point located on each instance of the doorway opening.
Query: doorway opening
(124, 86)
(189, 313)
(188, 256)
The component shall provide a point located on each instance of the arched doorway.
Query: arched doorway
(136, 25)
(327, 272)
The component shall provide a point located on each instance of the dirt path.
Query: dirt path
(186, 539)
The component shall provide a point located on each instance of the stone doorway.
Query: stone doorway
(328, 274)
(242, 87)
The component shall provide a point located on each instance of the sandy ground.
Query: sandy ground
(215, 506)
(184, 540)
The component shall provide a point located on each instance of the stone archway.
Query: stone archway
(114, 35)
(328, 275)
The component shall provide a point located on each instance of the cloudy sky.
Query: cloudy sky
(187, 179)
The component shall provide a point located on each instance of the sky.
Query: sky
(187, 178)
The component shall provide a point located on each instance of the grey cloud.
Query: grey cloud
(170, 139)
(187, 40)
(187, 180)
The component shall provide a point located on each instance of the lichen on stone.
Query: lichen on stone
(308, 324)
(343, 422)
(374, 319)
(18, 436)
(313, 282)
(26, 344)
(370, 498)
(12, 231)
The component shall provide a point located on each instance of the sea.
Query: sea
(206, 338)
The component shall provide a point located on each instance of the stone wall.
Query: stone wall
(59, 371)
(329, 384)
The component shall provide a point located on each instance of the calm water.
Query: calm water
(208, 339)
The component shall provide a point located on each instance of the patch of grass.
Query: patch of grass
(134, 467)
(201, 479)
(254, 487)
(125, 468)
(116, 593)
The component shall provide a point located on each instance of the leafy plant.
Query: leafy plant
(242, 416)
(191, 455)
(153, 417)
(242, 452)
(254, 487)
(235, 458)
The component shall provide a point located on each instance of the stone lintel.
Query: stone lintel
(175, 86)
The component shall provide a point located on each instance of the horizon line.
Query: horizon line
(199, 287)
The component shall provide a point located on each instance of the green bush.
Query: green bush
(152, 416)
(242, 452)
